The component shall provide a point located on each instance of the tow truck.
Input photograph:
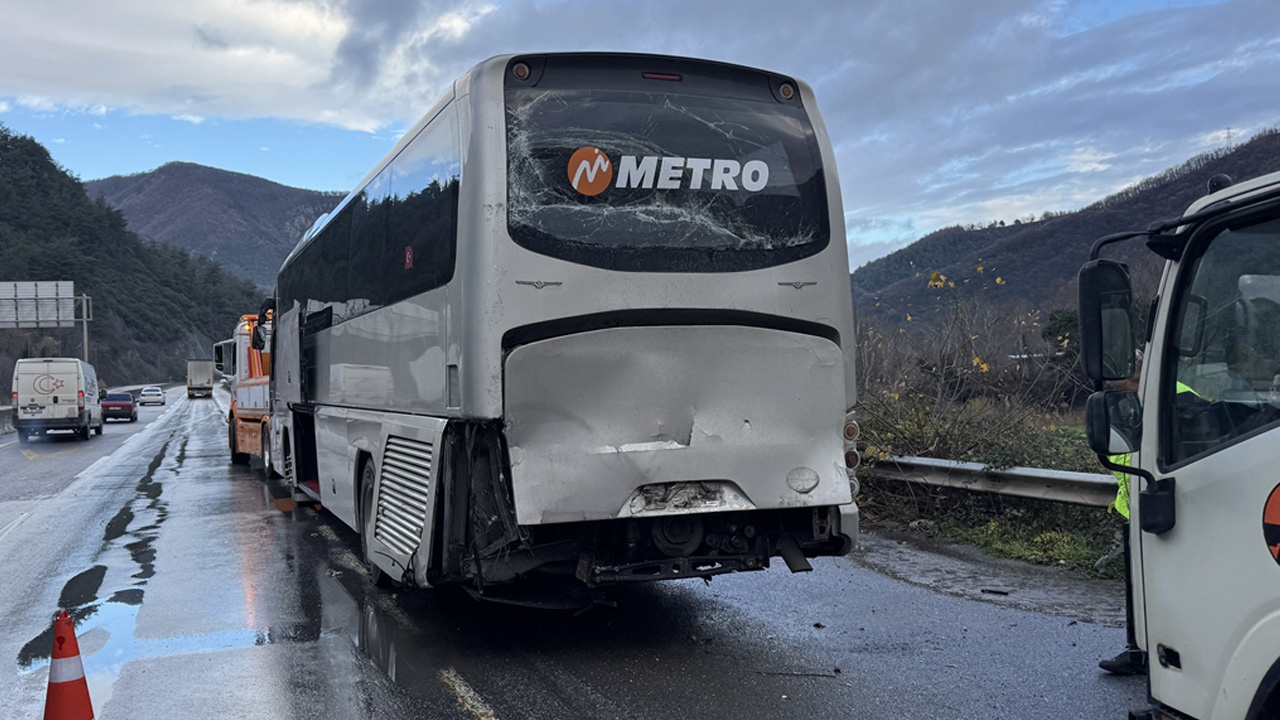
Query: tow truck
(1203, 431)
(246, 359)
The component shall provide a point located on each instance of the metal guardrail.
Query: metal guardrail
(1097, 490)
(6, 419)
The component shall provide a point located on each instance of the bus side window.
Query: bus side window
(422, 219)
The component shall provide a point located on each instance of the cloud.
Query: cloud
(58, 141)
(193, 119)
(265, 149)
(1083, 160)
(4, 106)
(940, 113)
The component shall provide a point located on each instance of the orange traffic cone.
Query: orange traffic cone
(68, 697)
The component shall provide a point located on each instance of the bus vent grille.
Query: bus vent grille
(402, 499)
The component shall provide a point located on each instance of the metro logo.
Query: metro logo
(590, 172)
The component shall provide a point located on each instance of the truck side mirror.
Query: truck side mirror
(224, 356)
(1113, 422)
(256, 340)
(1107, 342)
(102, 394)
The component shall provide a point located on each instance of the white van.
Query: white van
(55, 394)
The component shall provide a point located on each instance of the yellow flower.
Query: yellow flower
(984, 367)
(908, 317)
(999, 281)
(979, 268)
(977, 361)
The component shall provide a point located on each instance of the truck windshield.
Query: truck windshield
(656, 176)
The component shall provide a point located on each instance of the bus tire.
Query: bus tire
(367, 513)
(237, 458)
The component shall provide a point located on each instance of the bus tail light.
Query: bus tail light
(851, 460)
(850, 431)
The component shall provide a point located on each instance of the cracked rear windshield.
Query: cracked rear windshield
(645, 177)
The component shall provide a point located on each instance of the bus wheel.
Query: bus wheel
(237, 458)
(367, 514)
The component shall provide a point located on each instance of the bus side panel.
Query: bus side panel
(334, 458)
(391, 358)
(406, 450)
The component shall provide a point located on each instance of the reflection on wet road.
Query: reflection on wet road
(199, 590)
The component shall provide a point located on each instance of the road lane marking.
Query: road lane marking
(14, 523)
(8, 443)
(33, 455)
(468, 698)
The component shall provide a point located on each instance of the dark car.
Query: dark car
(119, 406)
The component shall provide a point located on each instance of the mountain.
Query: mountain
(246, 224)
(154, 305)
(1032, 265)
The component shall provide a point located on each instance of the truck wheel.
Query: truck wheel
(98, 430)
(266, 454)
(84, 432)
(237, 458)
(367, 514)
(23, 437)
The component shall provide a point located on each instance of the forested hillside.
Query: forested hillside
(1017, 265)
(154, 305)
(246, 224)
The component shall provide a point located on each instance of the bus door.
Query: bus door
(1211, 523)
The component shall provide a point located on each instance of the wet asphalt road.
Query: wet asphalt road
(201, 591)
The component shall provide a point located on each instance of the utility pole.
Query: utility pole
(86, 314)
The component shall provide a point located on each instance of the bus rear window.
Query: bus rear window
(640, 176)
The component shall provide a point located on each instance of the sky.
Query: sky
(941, 112)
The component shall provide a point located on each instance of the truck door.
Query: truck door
(1212, 580)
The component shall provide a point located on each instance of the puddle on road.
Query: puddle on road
(80, 595)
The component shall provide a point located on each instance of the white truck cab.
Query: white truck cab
(1204, 427)
(55, 394)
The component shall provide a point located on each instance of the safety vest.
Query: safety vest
(1121, 503)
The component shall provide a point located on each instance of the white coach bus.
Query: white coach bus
(590, 318)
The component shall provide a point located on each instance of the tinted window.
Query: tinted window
(366, 269)
(119, 397)
(317, 277)
(393, 240)
(1225, 342)
(646, 175)
(422, 216)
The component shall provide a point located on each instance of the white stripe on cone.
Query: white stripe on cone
(66, 669)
